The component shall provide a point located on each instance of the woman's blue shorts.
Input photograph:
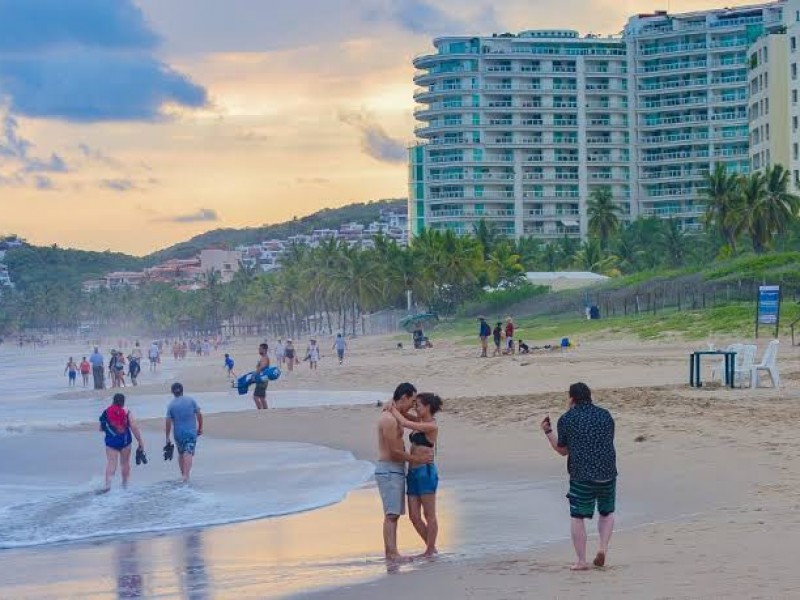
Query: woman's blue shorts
(422, 480)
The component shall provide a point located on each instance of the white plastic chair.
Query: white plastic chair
(718, 372)
(743, 369)
(769, 363)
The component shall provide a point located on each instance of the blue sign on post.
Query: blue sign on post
(769, 305)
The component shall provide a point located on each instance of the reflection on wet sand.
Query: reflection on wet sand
(194, 578)
(129, 574)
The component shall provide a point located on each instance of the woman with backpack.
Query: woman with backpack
(120, 429)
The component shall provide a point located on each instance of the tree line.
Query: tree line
(333, 286)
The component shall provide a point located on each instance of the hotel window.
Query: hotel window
(794, 123)
(793, 43)
(796, 151)
(794, 71)
(794, 96)
(796, 177)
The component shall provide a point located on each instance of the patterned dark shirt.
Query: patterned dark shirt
(587, 432)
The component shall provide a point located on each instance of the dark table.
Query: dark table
(694, 366)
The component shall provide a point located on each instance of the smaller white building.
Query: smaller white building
(565, 280)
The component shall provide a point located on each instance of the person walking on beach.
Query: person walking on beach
(291, 355)
(185, 422)
(340, 345)
(484, 331)
(229, 366)
(72, 371)
(260, 391)
(85, 368)
(98, 369)
(118, 425)
(154, 355)
(390, 470)
(280, 353)
(586, 438)
(312, 354)
(422, 481)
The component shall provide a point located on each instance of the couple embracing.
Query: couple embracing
(415, 412)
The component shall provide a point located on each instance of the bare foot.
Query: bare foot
(398, 558)
(600, 559)
(579, 566)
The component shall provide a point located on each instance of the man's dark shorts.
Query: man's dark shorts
(260, 390)
(583, 495)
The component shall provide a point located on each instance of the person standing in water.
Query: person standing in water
(260, 391)
(72, 371)
(185, 422)
(85, 368)
(280, 353)
(153, 354)
(118, 425)
(98, 369)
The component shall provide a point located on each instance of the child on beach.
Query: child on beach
(85, 368)
(71, 370)
(497, 334)
(229, 366)
(312, 354)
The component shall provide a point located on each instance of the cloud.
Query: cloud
(202, 215)
(118, 185)
(86, 61)
(251, 136)
(98, 156)
(17, 151)
(375, 142)
(421, 17)
(43, 183)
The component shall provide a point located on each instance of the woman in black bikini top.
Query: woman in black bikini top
(422, 481)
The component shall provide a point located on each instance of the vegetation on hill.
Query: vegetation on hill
(31, 267)
(328, 218)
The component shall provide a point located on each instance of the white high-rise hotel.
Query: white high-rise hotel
(518, 129)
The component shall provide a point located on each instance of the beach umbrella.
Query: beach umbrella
(424, 320)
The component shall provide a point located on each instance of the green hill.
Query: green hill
(328, 218)
(36, 266)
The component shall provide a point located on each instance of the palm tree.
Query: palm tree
(724, 209)
(672, 240)
(603, 215)
(591, 257)
(778, 208)
(486, 234)
(503, 265)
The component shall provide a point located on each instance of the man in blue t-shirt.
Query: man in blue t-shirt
(98, 369)
(185, 421)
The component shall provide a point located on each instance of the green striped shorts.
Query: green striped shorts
(583, 495)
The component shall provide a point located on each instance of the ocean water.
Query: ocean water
(49, 474)
(33, 386)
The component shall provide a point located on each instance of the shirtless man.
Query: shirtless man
(390, 471)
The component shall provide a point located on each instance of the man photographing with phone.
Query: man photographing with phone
(586, 438)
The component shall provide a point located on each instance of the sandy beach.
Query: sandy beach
(708, 489)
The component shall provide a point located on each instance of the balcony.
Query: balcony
(679, 66)
(674, 102)
(672, 49)
(671, 85)
(674, 211)
(468, 214)
(676, 138)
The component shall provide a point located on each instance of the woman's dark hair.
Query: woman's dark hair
(403, 390)
(118, 400)
(263, 347)
(432, 401)
(177, 389)
(580, 393)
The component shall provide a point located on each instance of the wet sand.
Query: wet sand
(708, 490)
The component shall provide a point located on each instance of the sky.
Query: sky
(131, 125)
